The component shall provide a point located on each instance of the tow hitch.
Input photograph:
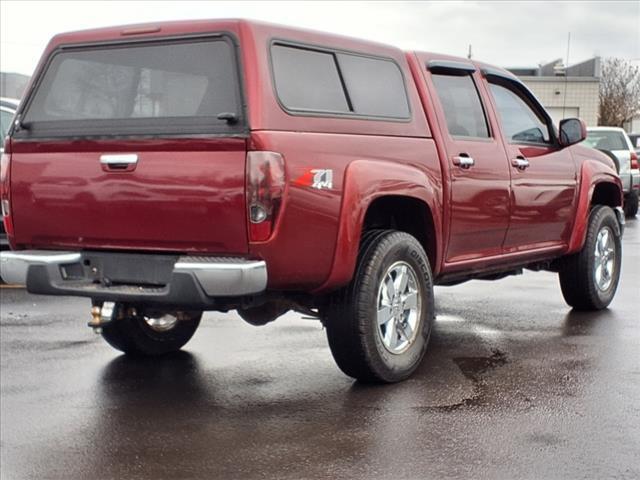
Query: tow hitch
(101, 314)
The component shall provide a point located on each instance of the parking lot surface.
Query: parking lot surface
(514, 385)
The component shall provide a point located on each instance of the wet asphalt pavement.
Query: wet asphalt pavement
(514, 385)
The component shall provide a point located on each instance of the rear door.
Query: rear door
(478, 168)
(136, 145)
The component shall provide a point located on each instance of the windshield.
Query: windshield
(606, 140)
(137, 86)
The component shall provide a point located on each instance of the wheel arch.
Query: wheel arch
(598, 186)
(374, 192)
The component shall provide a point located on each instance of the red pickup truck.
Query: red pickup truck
(166, 170)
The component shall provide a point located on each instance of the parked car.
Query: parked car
(614, 142)
(635, 142)
(169, 169)
(8, 108)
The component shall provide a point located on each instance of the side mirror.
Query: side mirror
(572, 131)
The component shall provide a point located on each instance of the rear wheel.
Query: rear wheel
(138, 332)
(589, 278)
(379, 326)
(631, 204)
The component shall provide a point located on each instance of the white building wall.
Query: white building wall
(633, 126)
(581, 96)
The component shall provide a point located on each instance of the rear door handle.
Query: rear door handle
(120, 161)
(464, 161)
(520, 163)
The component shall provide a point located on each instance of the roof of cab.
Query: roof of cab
(186, 27)
(256, 28)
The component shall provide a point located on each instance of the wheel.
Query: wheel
(378, 327)
(589, 278)
(142, 333)
(631, 204)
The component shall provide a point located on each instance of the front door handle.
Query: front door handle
(464, 161)
(520, 163)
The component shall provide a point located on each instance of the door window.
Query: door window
(520, 122)
(461, 104)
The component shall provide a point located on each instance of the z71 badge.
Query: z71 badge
(316, 178)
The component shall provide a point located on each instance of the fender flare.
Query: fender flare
(364, 182)
(592, 174)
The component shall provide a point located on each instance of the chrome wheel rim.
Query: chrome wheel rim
(162, 324)
(605, 257)
(399, 306)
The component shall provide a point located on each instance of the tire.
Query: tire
(361, 347)
(631, 204)
(137, 335)
(583, 277)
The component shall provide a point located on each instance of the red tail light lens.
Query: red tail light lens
(265, 190)
(634, 160)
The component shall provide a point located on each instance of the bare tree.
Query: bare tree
(619, 92)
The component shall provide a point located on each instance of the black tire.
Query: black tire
(631, 204)
(355, 339)
(578, 278)
(132, 334)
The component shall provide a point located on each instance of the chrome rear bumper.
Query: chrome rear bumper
(160, 278)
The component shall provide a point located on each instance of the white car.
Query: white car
(8, 107)
(615, 142)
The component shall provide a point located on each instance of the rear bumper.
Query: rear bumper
(186, 280)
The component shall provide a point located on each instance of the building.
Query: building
(633, 125)
(565, 91)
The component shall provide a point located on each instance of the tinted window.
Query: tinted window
(159, 81)
(520, 123)
(5, 123)
(375, 86)
(312, 80)
(308, 80)
(606, 140)
(461, 104)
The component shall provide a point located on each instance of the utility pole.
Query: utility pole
(469, 54)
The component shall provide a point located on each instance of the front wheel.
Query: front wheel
(145, 333)
(589, 278)
(379, 326)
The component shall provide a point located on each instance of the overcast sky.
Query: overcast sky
(507, 34)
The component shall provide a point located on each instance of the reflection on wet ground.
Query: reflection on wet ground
(514, 385)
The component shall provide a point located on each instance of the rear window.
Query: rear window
(606, 140)
(169, 87)
(309, 80)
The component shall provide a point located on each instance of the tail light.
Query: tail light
(5, 161)
(634, 160)
(265, 191)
